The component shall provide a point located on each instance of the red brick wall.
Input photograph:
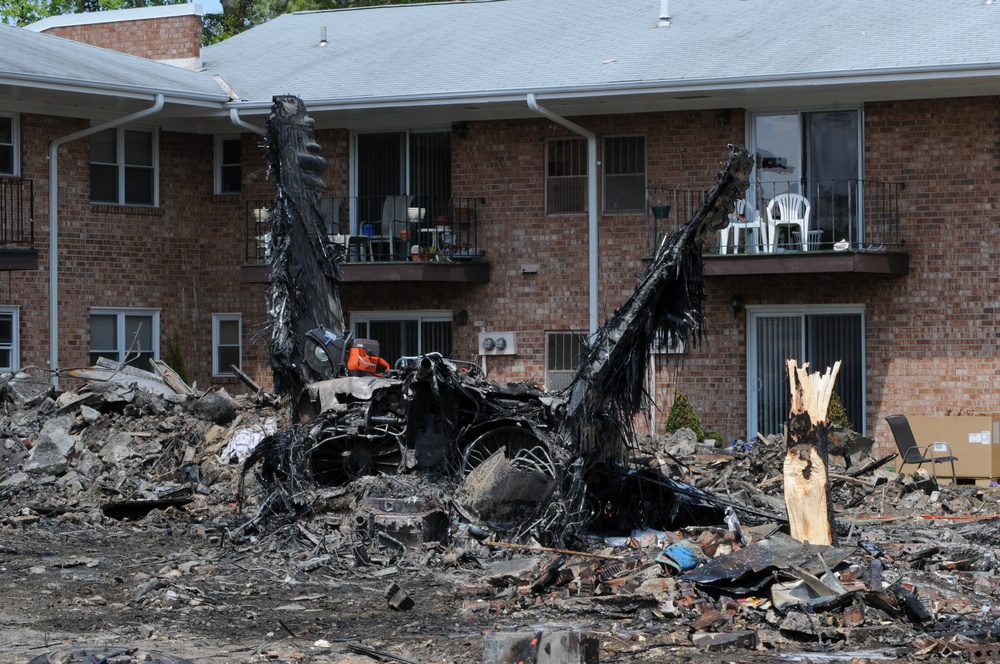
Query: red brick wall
(182, 258)
(166, 38)
(503, 163)
(930, 336)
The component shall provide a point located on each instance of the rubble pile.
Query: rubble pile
(912, 575)
(114, 450)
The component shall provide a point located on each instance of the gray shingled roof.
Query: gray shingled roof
(511, 46)
(38, 59)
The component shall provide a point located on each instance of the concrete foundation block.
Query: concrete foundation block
(562, 647)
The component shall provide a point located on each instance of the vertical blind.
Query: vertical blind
(820, 339)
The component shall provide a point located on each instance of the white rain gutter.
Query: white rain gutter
(591, 201)
(234, 116)
(54, 223)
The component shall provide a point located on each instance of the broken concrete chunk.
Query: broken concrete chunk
(25, 390)
(713, 641)
(46, 459)
(118, 448)
(398, 598)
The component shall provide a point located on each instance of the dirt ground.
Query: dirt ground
(173, 584)
(68, 585)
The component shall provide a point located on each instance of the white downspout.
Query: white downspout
(591, 201)
(234, 116)
(54, 224)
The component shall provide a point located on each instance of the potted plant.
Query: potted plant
(659, 203)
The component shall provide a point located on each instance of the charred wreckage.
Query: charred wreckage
(522, 463)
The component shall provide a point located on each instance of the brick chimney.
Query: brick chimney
(168, 33)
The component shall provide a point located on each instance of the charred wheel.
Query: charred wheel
(521, 447)
(342, 454)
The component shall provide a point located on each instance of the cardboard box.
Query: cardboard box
(974, 439)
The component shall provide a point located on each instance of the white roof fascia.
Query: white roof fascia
(56, 84)
(679, 86)
(115, 16)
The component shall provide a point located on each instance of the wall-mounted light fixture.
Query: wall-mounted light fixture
(736, 302)
(460, 129)
(462, 317)
(723, 118)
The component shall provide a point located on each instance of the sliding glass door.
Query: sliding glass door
(820, 336)
(402, 163)
(816, 154)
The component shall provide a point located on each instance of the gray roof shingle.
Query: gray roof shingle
(48, 60)
(510, 46)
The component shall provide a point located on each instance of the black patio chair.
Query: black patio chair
(910, 452)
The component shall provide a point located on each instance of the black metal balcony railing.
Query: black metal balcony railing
(17, 214)
(385, 228)
(864, 214)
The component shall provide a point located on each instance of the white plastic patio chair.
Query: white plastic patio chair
(792, 216)
(745, 220)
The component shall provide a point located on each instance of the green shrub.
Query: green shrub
(682, 416)
(836, 414)
(173, 357)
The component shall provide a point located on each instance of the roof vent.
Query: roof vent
(322, 36)
(664, 14)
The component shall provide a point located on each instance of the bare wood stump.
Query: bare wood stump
(805, 469)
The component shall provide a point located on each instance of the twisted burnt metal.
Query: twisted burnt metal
(432, 415)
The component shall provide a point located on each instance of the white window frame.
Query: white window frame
(121, 313)
(605, 175)
(793, 310)
(217, 319)
(220, 141)
(120, 165)
(15, 137)
(15, 344)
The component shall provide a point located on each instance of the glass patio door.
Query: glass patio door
(402, 163)
(816, 154)
(819, 336)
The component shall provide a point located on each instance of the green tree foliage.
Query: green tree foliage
(682, 415)
(173, 357)
(23, 12)
(837, 414)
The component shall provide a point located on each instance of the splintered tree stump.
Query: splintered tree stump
(805, 468)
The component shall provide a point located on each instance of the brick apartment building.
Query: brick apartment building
(529, 148)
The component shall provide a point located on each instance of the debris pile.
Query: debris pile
(914, 570)
(123, 445)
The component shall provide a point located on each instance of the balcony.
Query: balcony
(854, 228)
(387, 238)
(17, 225)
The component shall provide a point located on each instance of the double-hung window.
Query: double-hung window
(123, 165)
(8, 144)
(405, 333)
(624, 174)
(228, 165)
(227, 345)
(565, 175)
(125, 335)
(9, 351)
